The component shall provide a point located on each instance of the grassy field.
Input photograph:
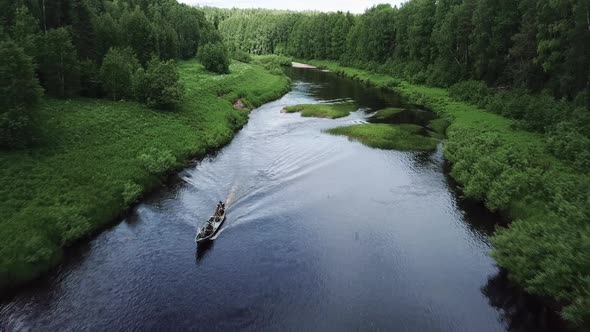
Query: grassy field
(385, 136)
(95, 158)
(547, 247)
(329, 111)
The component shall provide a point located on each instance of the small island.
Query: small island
(328, 111)
(405, 137)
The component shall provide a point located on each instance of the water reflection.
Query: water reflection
(521, 311)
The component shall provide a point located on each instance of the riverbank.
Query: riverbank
(96, 158)
(511, 171)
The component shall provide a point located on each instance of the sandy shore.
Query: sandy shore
(302, 65)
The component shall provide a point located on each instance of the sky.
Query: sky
(355, 6)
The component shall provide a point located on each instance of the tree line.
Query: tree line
(534, 44)
(121, 49)
(524, 59)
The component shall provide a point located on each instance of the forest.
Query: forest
(115, 49)
(99, 102)
(524, 62)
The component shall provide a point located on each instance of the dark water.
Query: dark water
(322, 234)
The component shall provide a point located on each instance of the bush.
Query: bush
(19, 95)
(131, 192)
(159, 86)
(273, 63)
(116, 73)
(567, 142)
(241, 56)
(157, 161)
(474, 92)
(214, 57)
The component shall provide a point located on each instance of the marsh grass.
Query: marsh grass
(403, 137)
(329, 111)
(95, 158)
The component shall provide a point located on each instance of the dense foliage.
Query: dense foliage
(19, 96)
(214, 57)
(95, 47)
(534, 44)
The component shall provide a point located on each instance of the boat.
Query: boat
(206, 234)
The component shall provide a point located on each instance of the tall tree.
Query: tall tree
(19, 95)
(59, 64)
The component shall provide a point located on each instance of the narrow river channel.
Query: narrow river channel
(323, 234)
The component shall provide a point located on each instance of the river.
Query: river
(322, 234)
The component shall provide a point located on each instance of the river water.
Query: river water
(323, 234)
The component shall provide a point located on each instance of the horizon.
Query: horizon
(353, 6)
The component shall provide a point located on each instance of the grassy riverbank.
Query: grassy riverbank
(329, 111)
(547, 247)
(95, 158)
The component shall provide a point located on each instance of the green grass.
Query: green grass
(330, 111)
(547, 248)
(96, 157)
(391, 137)
(386, 114)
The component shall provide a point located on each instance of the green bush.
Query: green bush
(116, 73)
(567, 142)
(159, 86)
(19, 96)
(241, 56)
(131, 192)
(273, 63)
(157, 161)
(214, 57)
(474, 92)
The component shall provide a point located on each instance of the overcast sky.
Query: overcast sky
(355, 6)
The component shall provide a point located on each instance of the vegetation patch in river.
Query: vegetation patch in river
(390, 137)
(329, 111)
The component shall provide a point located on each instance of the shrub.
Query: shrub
(474, 92)
(159, 86)
(19, 95)
(567, 142)
(241, 56)
(214, 57)
(157, 161)
(131, 193)
(116, 73)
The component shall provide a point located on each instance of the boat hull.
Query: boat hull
(216, 227)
